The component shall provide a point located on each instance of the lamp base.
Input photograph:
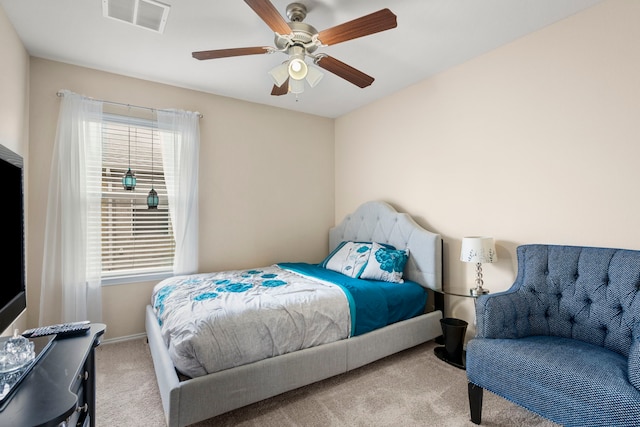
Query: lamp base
(476, 292)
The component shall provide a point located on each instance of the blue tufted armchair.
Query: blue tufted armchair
(564, 340)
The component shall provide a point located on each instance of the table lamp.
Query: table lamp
(478, 249)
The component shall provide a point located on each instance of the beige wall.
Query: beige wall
(14, 97)
(535, 142)
(266, 179)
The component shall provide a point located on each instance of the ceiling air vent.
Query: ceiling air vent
(148, 14)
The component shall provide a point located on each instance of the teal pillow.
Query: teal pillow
(385, 264)
(349, 258)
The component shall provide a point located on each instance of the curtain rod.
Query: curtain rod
(61, 94)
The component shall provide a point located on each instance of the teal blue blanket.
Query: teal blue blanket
(373, 304)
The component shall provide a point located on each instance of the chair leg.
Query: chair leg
(475, 403)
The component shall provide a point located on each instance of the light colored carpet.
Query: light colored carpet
(412, 388)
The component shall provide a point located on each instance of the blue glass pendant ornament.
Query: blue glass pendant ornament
(129, 180)
(152, 199)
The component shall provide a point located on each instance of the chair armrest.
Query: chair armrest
(634, 361)
(502, 315)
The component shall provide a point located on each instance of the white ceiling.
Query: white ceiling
(432, 35)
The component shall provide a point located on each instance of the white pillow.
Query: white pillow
(385, 264)
(349, 258)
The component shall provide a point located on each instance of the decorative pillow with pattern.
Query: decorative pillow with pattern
(349, 258)
(385, 264)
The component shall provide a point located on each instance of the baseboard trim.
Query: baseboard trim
(125, 338)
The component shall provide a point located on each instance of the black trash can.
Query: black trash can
(453, 331)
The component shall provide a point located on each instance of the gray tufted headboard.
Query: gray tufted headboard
(379, 222)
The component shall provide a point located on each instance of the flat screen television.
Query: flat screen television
(13, 297)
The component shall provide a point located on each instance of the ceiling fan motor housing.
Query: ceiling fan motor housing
(301, 35)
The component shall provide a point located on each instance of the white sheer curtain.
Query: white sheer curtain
(70, 289)
(180, 142)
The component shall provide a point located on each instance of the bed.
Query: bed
(187, 400)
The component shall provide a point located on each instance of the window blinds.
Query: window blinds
(135, 240)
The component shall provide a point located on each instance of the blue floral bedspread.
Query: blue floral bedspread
(216, 321)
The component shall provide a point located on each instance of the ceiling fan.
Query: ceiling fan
(299, 41)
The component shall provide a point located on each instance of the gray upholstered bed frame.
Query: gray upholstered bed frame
(193, 400)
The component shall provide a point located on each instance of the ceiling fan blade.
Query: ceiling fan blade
(345, 71)
(280, 90)
(375, 22)
(225, 53)
(270, 15)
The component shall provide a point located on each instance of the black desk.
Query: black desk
(60, 387)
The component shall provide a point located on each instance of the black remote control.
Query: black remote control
(62, 330)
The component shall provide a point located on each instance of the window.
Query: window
(135, 240)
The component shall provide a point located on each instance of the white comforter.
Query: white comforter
(217, 321)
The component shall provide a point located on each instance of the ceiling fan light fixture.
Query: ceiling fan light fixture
(314, 76)
(280, 74)
(296, 86)
(298, 69)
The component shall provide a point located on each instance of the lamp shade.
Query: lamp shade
(314, 76)
(296, 86)
(280, 74)
(478, 249)
(297, 68)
